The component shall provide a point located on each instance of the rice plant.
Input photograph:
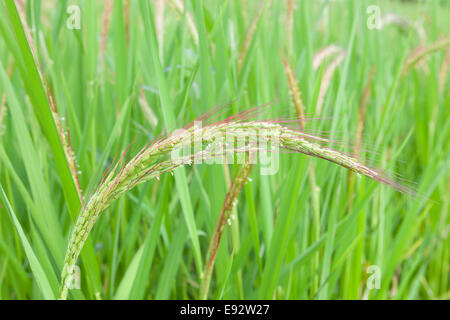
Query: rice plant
(224, 149)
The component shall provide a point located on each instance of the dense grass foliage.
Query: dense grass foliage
(73, 100)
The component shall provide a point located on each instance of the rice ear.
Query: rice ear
(178, 6)
(249, 36)
(154, 160)
(224, 218)
(64, 140)
(296, 95)
(326, 80)
(421, 52)
(324, 53)
(106, 20)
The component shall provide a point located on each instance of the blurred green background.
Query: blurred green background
(313, 230)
